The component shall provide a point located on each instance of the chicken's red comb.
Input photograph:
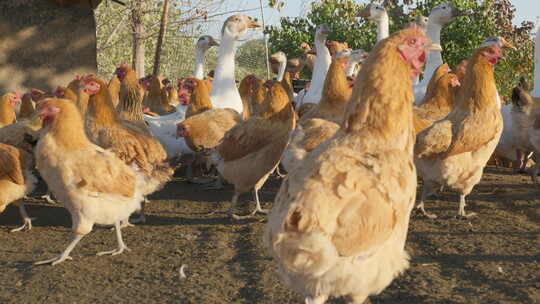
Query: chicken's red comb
(77, 77)
(87, 78)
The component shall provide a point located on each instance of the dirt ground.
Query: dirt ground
(494, 258)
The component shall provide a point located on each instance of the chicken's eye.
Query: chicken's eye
(412, 41)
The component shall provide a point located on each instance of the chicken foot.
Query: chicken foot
(27, 221)
(462, 205)
(64, 255)
(427, 190)
(316, 300)
(258, 208)
(121, 245)
(359, 299)
(48, 199)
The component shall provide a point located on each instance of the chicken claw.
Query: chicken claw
(65, 255)
(420, 207)
(121, 245)
(316, 300)
(258, 208)
(462, 205)
(27, 221)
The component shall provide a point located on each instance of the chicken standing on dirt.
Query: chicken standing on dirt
(454, 151)
(339, 222)
(323, 120)
(16, 180)
(131, 145)
(95, 186)
(250, 151)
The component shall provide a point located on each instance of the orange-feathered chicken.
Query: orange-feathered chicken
(323, 120)
(335, 47)
(453, 151)
(172, 96)
(339, 223)
(205, 130)
(27, 107)
(309, 55)
(16, 180)
(156, 99)
(250, 151)
(438, 101)
(130, 106)
(246, 92)
(198, 100)
(8, 102)
(126, 140)
(95, 185)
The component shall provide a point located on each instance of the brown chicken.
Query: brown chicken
(438, 101)
(27, 107)
(126, 140)
(339, 222)
(250, 151)
(16, 180)
(295, 66)
(199, 100)
(156, 99)
(82, 97)
(335, 47)
(130, 106)
(8, 103)
(453, 151)
(172, 95)
(309, 55)
(95, 186)
(246, 92)
(323, 120)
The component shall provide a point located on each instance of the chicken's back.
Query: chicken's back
(337, 226)
(208, 128)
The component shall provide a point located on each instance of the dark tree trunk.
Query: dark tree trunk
(162, 30)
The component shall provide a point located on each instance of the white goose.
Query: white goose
(377, 13)
(203, 45)
(164, 127)
(440, 16)
(224, 92)
(320, 68)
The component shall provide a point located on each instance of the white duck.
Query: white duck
(224, 92)
(164, 127)
(440, 15)
(320, 68)
(377, 13)
(203, 45)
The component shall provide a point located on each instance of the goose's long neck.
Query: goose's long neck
(281, 71)
(199, 63)
(320, 69)
(224, 73)
(382, 28)
(536, 91)
(434, 58)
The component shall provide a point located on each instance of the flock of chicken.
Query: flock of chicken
(353, 144)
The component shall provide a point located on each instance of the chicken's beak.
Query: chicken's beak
(253, 24)
(365, 13)
(507, 44)
(433, 47)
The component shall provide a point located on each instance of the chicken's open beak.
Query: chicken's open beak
(253, 24)
(365, 13)
(507, 44)
(433, 47)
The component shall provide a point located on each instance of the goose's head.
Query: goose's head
(237, 25)
(278, 57)
(205, 42)
(358, 56)
(373, 12)
(321, 32)
(446, 12)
